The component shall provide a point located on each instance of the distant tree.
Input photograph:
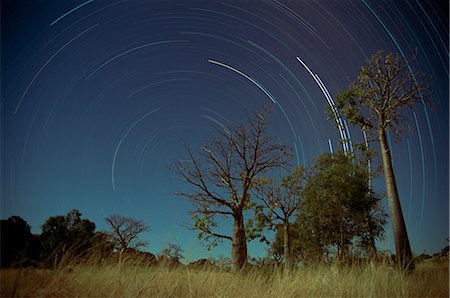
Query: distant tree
(63, 233)
(125, 232)
(172, 251)
(18, 246)
(171, 254)
(280, 201)
(336, 205)
(376, 101)
(222, 178)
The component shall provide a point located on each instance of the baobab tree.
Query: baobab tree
(376, 101)
(222, 176)
(125, 232)
(280, 200)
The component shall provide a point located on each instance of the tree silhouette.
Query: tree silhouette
(222, 177)
(61, 234)
(125, 232)
(171, 254)
(18, 246)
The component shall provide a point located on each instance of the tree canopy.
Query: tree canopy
(125, 232)
(338, 211)
(222, 176)
(63, 233)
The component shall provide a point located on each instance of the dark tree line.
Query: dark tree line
(19, 247)
(65, 238)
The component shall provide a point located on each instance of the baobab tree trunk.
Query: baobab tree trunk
(239, 243)
(287, 246)
(402, 248)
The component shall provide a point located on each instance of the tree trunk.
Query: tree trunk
(342, 246)
(121, 251)
(402, 247)
(371, 249)
(287, 246)
(239, 243)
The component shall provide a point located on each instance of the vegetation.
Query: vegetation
(338, 210)
(18, 246)
(338, 217)
(109, 280)
(376, 101)
(280, 201)
(171, 254)
(125, 232)
(326, 219)
(222, 178)
(63, 233)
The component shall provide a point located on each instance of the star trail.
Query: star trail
(99, 96)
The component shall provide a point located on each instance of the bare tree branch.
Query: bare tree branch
(222, 174)
(125, 231)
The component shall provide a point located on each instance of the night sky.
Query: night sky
(98, 96)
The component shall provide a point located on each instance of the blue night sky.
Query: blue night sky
(97, 97)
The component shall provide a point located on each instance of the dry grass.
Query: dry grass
(429, 280)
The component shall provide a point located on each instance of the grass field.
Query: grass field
(429, 280)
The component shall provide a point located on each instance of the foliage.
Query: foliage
(222, 177)
(376, 101)
(338, 211)
(385, 87)
(278, 202)
(63, 233)
(279, 199)
(18, 246)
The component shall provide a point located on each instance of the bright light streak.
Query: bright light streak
(245, 76)
(70, 11)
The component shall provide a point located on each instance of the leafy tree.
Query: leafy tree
(125, 232)
(280, 201)
(63, 233)
(18, 246)
(308, 246)
(336, 207)
(222, 177)
(376, 101)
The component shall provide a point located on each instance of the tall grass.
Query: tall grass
(128, 280)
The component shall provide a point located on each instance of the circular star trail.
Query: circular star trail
(98, 97)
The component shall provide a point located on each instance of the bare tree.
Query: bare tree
(171, 254)
(376, 101)
(222, 177)
(281, 200)
(125, 232)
